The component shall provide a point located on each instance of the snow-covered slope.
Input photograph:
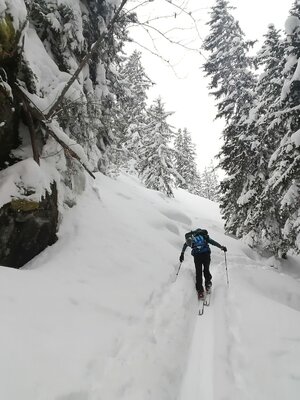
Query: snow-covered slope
(100, 316)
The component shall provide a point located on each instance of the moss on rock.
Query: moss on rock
(7, 37)
(27, 228)
(24, 205)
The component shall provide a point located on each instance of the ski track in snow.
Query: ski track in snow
(100, 315)
(243, 347)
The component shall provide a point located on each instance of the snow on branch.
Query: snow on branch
(71, 148)
(86, 58)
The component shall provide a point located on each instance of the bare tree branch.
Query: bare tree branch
(160, 17)
(178, 43)
(67, 149)
(158, 56)
(189, 14)
(181, 10)
(32, 110)
(138, 6)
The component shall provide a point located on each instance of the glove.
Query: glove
(181, 258)
(224, 248)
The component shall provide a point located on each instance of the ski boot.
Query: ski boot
(208, 287)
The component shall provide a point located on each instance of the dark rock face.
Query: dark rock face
(27, 228)
(8, 130)
(295, 93)
(9, 106)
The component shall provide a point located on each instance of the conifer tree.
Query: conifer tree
(68, 31)
(232, 84)
(210, 184)
(185, 160)
(261, 227)
(285, 161)
(198, 185)
(179, 160)
(129, 110)
(227, 64)
(156, 165)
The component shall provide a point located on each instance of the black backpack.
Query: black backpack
(189, 236)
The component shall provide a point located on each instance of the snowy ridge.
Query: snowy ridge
(100, 316)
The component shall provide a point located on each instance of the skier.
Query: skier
(199, 242)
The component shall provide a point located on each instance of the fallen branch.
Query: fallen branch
(28, 113)
(31, 110)
(32, 132)
(67, 149)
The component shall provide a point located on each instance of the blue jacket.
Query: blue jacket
(200, 245)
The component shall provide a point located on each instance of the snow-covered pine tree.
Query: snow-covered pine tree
(210, 184)
(156, 163)
(268, 90)
(261, 227)
(198, 185)
(68, 30)
(232, 83)
(185, 160)
(227, 65)
(179, 160)
(285, 161)
(129, 111)
(42, 44)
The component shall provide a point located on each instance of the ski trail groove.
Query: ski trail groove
(216, 357)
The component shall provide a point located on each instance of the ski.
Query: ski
(205, 301)
(201, 306)
(201, 301)
(207, 298)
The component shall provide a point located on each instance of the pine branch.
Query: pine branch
(86, 58)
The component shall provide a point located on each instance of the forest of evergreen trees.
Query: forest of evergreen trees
(146, 144)
(72, 101)
(72, 97)
(259, 98)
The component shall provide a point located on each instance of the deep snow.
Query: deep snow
(100, 316)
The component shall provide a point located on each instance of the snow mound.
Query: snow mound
(26, 180)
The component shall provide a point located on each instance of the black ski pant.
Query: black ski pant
(202, 262)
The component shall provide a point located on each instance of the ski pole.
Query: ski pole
(226, 268)
(178, 269)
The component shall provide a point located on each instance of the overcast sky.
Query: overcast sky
(183, 88)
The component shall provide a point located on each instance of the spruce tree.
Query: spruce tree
(198, 185)
(261, 227)
(68, 31)
(285, 161)
(210, 184)
(156, 166)
(179, 159)
(129, 111)
(185, 160)
(232, 83)
(227, 65)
